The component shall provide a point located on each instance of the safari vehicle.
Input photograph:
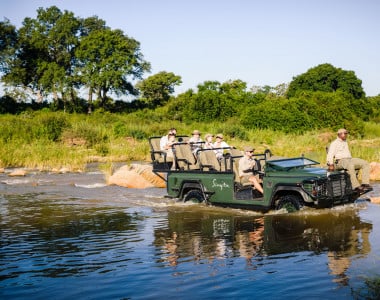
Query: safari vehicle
(288, 183)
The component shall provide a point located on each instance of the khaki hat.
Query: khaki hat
(208, 135)
(249, 149)
(219, 135)
(196, 132)
(342, 130)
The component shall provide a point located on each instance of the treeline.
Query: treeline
(49, 60)
(58, 54)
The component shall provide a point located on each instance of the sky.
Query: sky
(259, 42)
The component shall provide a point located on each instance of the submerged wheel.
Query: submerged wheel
(291, 203)
(194, 196)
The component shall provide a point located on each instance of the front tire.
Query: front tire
(194, 196)
(291, 203)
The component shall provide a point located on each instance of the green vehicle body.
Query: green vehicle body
(289, 183)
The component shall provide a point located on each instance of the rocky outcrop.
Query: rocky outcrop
(17, 172)
(375, 171)
(136, 176)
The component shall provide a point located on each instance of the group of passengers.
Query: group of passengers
(196, 143)
(338, 157)
(246, 163)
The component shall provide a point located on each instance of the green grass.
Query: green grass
(47, 140)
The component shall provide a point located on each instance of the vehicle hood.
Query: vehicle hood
(306, 172)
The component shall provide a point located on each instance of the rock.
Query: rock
(136, 176)
(375, 171)
(2, 170)
(64, 170)
(375, 200)
(18, 172)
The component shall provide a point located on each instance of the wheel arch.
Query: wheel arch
(281, 191)
(189, 185)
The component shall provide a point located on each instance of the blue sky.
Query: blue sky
(260, 42)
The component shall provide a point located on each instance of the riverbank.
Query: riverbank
(56, 141)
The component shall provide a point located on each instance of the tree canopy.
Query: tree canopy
(327, 78)
(157, 89)
(57, 54)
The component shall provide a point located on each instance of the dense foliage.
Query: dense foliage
(46, 62)
(327, 78)
(57, 54)
(156, 89)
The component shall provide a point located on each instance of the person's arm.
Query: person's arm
(330, 156)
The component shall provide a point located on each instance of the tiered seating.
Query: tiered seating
(184, 157)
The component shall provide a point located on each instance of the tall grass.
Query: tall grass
(47, 140)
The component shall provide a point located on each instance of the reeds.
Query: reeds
(49, 140)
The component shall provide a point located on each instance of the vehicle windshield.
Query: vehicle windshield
(291, 163)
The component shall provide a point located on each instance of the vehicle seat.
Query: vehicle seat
(185, 159)
(208, 161)
(158, 156)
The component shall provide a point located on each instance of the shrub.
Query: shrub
(52, 126)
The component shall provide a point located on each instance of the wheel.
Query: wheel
(291, 203)
(194, 196)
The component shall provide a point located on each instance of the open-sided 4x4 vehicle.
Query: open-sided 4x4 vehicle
(288, 183)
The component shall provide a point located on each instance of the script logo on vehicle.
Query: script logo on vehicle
(220, 185)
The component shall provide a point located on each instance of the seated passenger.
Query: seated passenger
(339, 157)
(208, 141)
(195, 141)
(168, 146)
(165, 138)
(219, 143)
(246, 165)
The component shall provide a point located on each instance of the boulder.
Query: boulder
(17, 172)
(136, 176)
(375, 171)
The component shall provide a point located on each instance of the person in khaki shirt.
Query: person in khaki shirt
(246, 165)
(339, 157)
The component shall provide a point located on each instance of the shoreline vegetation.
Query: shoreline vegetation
(52, 141)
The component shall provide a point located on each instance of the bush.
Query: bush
(91, 134)
(51, 126)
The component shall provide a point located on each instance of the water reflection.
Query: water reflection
(201, 235)
(104, 242)
(59, 239)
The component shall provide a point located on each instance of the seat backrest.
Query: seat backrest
(235, 167)
(236, 152)
(185, 158)
(155, 151)
(155, 143)
(208, 161)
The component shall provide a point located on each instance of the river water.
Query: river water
(70, 236)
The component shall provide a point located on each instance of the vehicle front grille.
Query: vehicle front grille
(338, 185)
(334, 186)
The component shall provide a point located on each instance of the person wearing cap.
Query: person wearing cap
(195, 141)
(208, 141)
(222, 145)
(246, 166)
(164, 141)
(339, 158)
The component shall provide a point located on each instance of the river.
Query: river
(70, 236)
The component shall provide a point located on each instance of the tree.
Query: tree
(44, 53)
(8, 40)
(106, 60)
(157, 89)
(327, 78)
